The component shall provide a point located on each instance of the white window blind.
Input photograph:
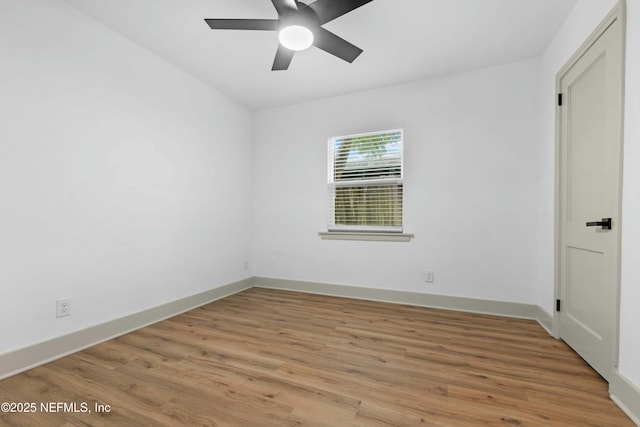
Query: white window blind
(365, 182)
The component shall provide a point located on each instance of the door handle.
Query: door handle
(605, 224)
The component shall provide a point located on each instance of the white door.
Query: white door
(589, 120)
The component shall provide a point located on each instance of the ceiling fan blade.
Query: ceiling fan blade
(243, 24)
(329, 42)
(328, 10)
(284, 6)
(283, 58)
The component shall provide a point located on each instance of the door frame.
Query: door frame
(618, 13)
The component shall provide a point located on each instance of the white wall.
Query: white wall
(469, 142)
(124, 182)
(630, 292)
(584, 19)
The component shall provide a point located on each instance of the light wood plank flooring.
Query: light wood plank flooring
(275, 358)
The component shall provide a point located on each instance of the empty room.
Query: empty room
(319, 213)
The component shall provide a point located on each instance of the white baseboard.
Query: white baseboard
(626, 395)
(545, 320)
(29, 357)
(471, 305)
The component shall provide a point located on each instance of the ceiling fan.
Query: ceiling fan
(300, 27)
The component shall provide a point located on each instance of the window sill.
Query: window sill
(366, 236)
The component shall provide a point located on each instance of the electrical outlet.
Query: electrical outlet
(429, 276)
(63, 307)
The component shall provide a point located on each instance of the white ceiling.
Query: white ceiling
(403, 40)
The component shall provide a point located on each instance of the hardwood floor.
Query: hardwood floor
(275, 358)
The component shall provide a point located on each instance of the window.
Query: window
(365, 182)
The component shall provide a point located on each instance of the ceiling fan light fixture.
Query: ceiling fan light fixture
(296, 37)
(298, 24)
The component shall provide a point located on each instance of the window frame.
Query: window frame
(372, 230)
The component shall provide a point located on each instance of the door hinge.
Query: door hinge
(559, 100)
(557, 305)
